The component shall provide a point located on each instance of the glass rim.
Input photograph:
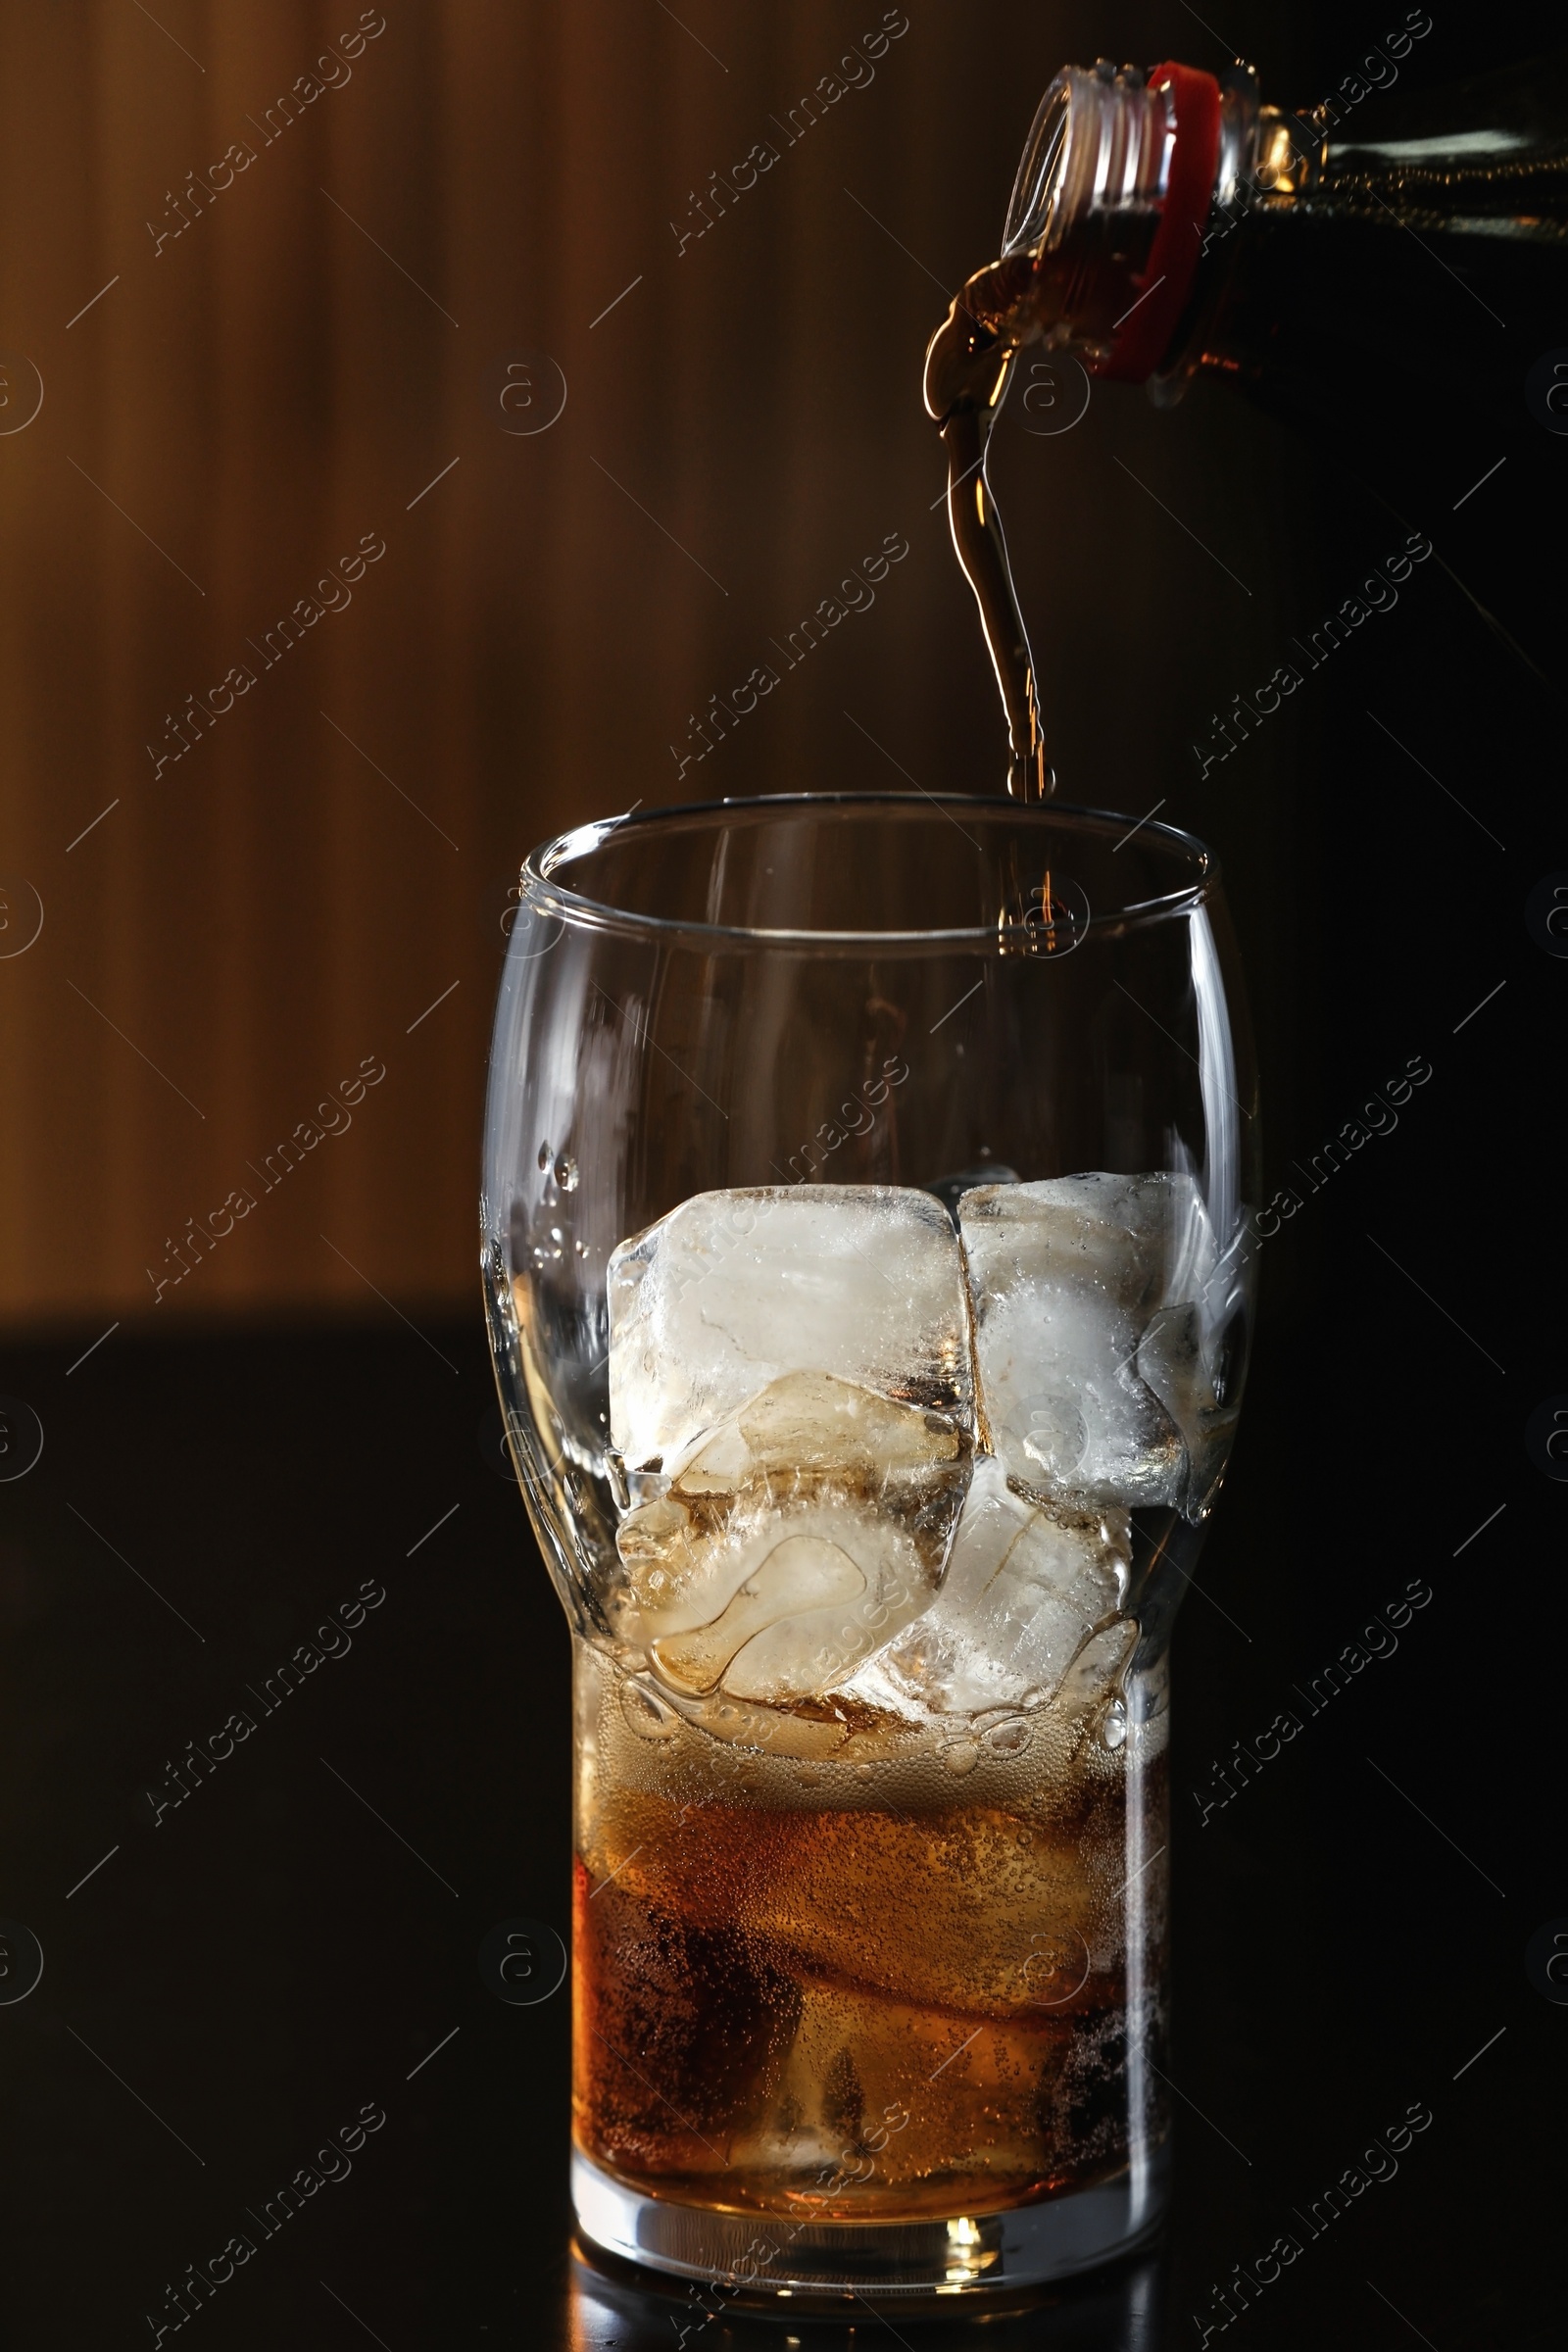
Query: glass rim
(549, 897)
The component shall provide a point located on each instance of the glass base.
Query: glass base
(766, 2258)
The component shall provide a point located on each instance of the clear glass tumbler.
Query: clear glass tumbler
(865, 1241)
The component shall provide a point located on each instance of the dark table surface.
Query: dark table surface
(230, 1985)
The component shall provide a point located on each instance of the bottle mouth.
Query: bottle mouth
(1101, 142)
(1119, 179)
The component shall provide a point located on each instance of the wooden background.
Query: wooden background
(316, 356)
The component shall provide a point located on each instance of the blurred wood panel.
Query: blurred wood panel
(310, 365)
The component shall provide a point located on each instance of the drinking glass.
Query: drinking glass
(867, 1251)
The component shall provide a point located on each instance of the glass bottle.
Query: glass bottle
(1388, 272)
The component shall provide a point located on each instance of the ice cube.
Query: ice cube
(950, 1189)
(1026, 1589)
(802, 1576)
(796, 1540)
(733, 1289)
(1195, 1358)
(1173, 1361)
(1065, 1277)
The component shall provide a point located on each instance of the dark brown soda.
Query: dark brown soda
(966, 367)
(912, 2004)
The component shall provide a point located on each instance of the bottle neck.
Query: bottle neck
(1133, 185)
(1122, 175)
